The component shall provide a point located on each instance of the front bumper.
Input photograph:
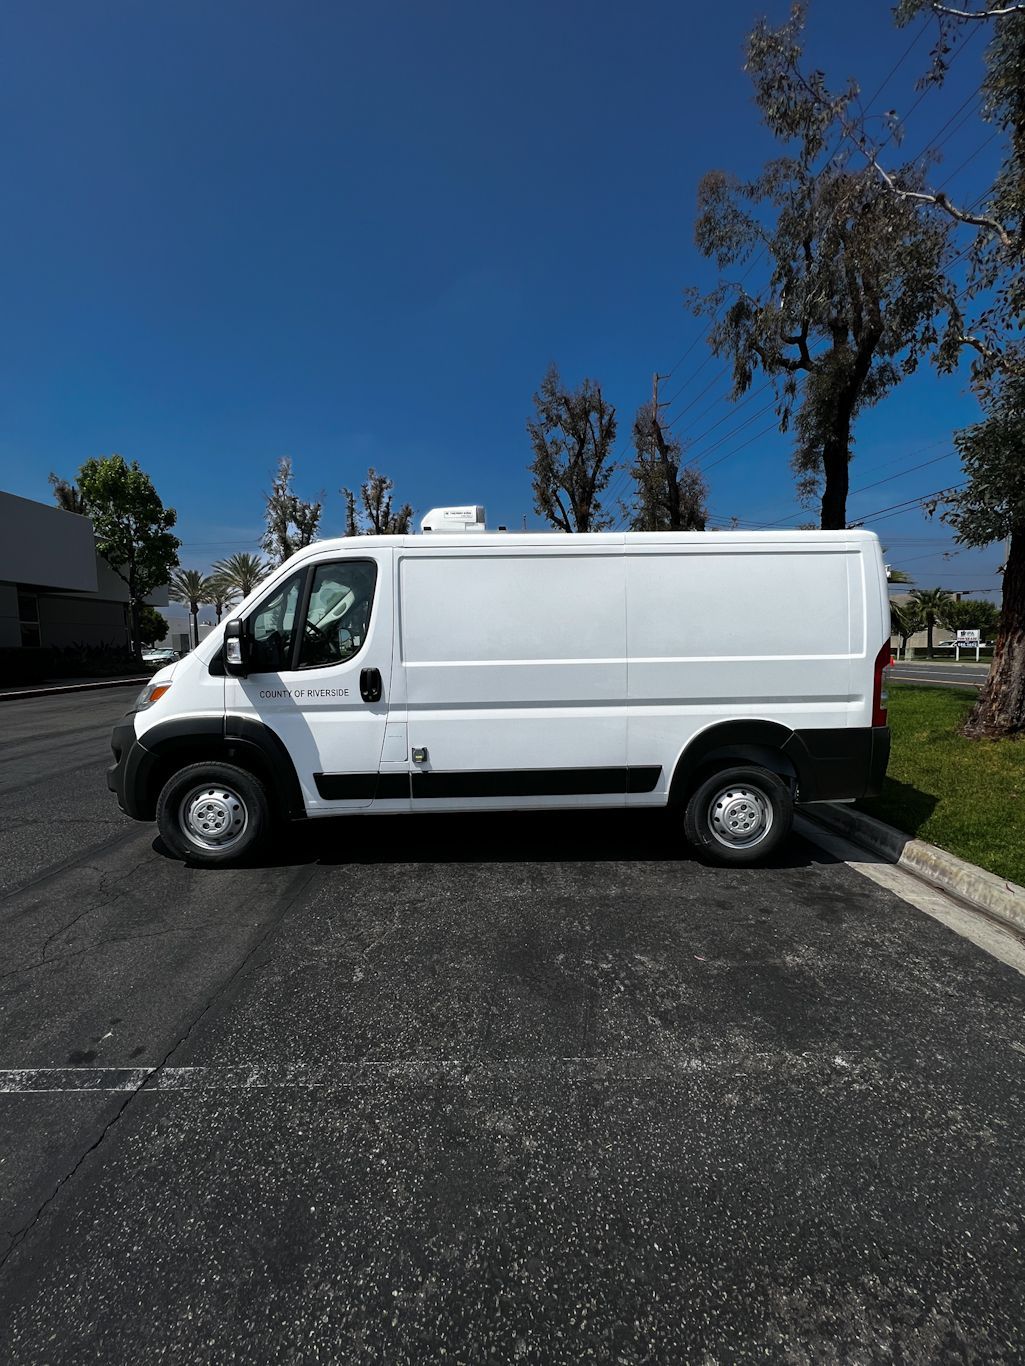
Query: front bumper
(128, 775)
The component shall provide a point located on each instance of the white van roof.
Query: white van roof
(593, 539)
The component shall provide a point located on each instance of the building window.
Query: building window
(28, 617)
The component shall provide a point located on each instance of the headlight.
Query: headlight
(149, 695)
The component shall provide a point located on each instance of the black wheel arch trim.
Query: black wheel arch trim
(828, 763)
(243, 731)
(230, 739)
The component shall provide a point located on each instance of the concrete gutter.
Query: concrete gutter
(51, 690)
(1003, 900)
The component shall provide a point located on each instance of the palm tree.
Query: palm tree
(241, 572)
(222, 594)
(189, 585)
(930, 603)
(905, 621)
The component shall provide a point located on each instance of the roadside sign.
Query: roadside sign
(967, 640)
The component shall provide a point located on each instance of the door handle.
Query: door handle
(370, 685)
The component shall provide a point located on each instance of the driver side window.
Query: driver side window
(272, 627)
(338, 616)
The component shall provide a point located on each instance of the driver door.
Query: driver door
(320, 676)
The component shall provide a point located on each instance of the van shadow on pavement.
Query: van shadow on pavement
(902, 805)
(599, 836)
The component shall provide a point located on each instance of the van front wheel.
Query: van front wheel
(212, 814)
(739, 815)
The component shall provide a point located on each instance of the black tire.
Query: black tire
(200, 807)
(738, 816)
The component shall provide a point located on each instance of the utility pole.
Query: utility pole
(660, 452)
(656, 426)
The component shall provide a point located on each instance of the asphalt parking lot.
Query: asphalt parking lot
(491, 1089)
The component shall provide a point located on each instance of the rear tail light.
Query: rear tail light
(883, 660)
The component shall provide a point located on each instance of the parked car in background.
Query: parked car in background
(160, 657)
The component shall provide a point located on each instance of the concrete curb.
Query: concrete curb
(52, 691)
(1003, 900)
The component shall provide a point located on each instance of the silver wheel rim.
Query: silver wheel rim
(213, 816)
(739, 816)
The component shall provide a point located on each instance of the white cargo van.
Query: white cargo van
(725, 674)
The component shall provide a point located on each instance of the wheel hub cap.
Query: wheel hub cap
(213, 817)
(740, 817)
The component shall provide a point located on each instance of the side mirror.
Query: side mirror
(236, 649)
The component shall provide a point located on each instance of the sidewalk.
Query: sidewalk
(18, 692)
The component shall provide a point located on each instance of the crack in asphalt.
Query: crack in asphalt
(20, 1234)
(103, 898)
(94, 944)
(74, 860)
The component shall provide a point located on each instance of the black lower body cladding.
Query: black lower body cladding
(839, 764)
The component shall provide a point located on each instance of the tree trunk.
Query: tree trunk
(1000, 711)
(836, 451)
(929, 623)
(134, 643)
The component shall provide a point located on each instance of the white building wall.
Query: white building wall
(45, 547)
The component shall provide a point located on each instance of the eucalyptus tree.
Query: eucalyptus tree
(984, 312)
(572, 433)
(668, 496)
(292, 522)
(986, 319)
(849, 276)
(370, 512)
(992, 508)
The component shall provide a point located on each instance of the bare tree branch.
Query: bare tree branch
(980, 13)
(935, 197)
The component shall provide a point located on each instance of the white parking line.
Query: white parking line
(970, 924)
(933, 678)
(259, 1076)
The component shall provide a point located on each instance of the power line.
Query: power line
(901, 473)
(735, 408)
(968, 159)
(947, 555)
(721, 398)
(895, 508)
(714, 380)
(716, 445)
(936, 141)
(926, 24)
(879, 465)
(751, 440)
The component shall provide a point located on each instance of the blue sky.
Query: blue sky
(358, 234)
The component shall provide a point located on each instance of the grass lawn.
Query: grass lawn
(967, 796)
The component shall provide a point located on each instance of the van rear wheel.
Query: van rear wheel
(212, 814)
(738, 816)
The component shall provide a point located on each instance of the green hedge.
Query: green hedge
(35, 664)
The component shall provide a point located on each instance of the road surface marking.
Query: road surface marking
(932, 678)
(287, 1076)
(970, 924)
